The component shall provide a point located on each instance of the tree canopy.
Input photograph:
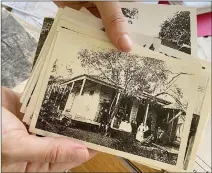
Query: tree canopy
(130, 14)
(135, 74)
(177, 29)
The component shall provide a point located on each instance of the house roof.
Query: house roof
(170, 106)
(173, 106)
(94, 78)
(110, 83)
(160, 100)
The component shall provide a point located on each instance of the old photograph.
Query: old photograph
(138, 38)
(173, 25)
(47, 24)
(200, 115)
(66, 22)
(17, 48)
(199, 120)
(135, 102)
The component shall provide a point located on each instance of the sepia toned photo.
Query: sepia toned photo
(17, 48)
(119, 82)
(47, 24)
(129, 102)
(200, 112)
(144, 41)
(173, 25)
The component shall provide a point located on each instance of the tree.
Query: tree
(176, 30)
(130, 14)
(56, 95)
(134, 74)
(55, 77)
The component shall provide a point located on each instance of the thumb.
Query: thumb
(114, 23)
(45, 149)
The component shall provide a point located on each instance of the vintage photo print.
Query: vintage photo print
(201, 111)
(174, 25)
(197, 128)
(64, 22)
(134, 105)
(138, 38)
(199, 121)
(30, 104)
(70, 16)
(38, 64)
(47, 24)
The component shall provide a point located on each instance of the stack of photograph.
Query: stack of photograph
(149, 105)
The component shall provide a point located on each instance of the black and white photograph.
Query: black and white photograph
(199, 113)
(17, 48)
(47, 24)
(174, 26)
(122, 83)
(131, 102)
(199, 116)
(145, 42)
(130, 14)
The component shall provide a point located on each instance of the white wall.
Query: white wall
(84, 106)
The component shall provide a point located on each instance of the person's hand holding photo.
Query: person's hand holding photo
(112, 18)
(22, 152)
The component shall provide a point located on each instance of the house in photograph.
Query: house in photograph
(87, 93)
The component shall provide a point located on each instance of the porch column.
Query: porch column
(82, 87)
(167, 120)
(72, 86)
(172, 124)
(146, 114)
(176, 116)
(117, 99)
(67, 102)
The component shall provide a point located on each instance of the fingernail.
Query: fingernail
(80, 155)
(125, 43)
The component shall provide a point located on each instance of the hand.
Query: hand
(112, 18)
(22, 152)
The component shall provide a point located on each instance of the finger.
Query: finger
(72, 4)
(50, 167)
(55, 167)
(37, 167)
(62, 167)
(92, 153)
(92, 8)
(10, 100)
(46, 149)
(114, 23)
(59, 167)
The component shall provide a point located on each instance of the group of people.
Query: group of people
(142, 132)
(104, 117)
(160, 136)
(106, 121)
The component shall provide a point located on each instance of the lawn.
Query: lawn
(120, 141)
